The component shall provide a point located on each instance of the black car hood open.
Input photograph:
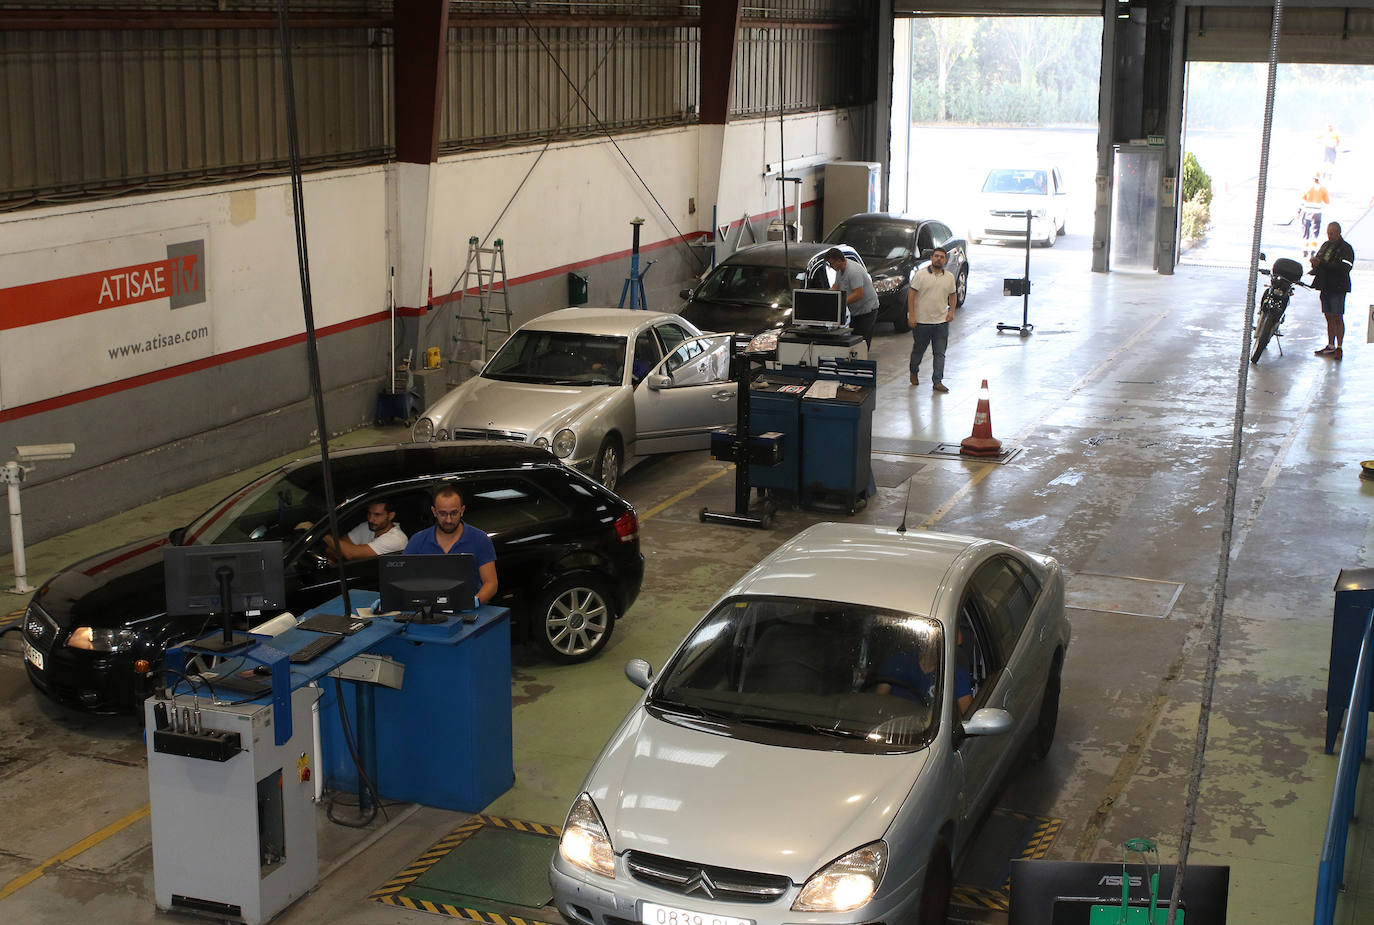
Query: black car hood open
(108, 590)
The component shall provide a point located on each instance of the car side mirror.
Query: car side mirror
(988, 721)
(176, 536)
(684, 294)
(640, 672)
(476, 365)
(659, 382)
(927, 253)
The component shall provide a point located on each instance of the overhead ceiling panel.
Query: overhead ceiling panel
(1308, 36)
(997, 7)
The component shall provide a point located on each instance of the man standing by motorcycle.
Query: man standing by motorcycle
(1331, 271)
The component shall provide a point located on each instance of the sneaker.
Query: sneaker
(940, 387)
(915, 380)
(1336, 354)
(1325, 351)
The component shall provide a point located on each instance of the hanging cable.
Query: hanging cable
(1233, 476)
(312, 352)
(615, 40)
(682, 238)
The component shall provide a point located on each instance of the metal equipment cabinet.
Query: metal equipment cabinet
(1350, 615)
(837, 437)
(773, 409)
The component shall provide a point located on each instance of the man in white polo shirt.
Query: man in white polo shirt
(929, 309)
(376, 536)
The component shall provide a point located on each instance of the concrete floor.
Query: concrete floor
(1120, 405)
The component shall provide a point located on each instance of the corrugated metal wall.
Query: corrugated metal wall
(508, 85)
(88, 113)
(96, 112)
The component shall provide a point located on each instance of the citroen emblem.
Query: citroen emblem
(702, 884)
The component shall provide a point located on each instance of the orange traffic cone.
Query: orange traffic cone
(981, 442)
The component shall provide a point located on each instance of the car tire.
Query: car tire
(1042, 736)
(606, 469)
(1063, 228)
(935, 891)
(961, 287)
(574, 619)
(900, 325)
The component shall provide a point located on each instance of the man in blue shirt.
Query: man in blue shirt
(911, 675)
(450, 535)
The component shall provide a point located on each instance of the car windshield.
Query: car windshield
(844, 676)
(875, 241)
(1033, 182)
(560, 358)
(749, 285)
(279, 506)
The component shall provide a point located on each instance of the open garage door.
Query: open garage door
(1323, 107)
(995, 8)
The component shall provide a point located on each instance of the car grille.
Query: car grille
(39, 628)
(477, 433)
(691, 879)
(1004, 213)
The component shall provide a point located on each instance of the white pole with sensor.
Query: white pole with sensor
(12, 474)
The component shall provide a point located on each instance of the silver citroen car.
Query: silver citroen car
(823, 745)
(600, 387)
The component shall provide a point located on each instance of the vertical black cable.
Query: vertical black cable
(312, 352)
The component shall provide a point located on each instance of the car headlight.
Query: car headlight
(102, 640)
(887, 284)
(563, 443)
(423, 431)
(542, 442)
(584, 842)
(1041, 213)
(845, 884)
(442, 433)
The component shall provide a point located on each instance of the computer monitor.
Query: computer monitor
(421, 586)
(820, 308)
(226, 579)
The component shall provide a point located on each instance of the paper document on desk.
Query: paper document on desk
(823, 388)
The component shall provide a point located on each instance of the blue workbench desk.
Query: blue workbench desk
(443, 739)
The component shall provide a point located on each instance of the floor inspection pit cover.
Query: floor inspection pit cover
(1137, 597)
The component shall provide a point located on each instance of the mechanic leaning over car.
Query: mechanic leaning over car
(859, 295)
(376, 536)
(450, 535)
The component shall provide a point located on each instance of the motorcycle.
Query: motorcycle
(1284, 275)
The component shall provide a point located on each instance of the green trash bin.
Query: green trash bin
(577, 289)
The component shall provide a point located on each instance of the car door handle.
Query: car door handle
(723, 395)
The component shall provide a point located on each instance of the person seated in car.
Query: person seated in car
(911, 674)
(378, 535)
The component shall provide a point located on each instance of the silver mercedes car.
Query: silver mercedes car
(600, 387)
(823, 745)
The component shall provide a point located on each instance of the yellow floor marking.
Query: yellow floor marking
(686, 492)
(90, 841)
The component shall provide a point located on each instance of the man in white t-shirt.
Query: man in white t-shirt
(376, 536)
(930, 302)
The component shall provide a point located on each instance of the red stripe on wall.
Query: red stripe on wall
(50, 300)
(172, 372)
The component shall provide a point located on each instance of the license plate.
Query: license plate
(654, 914)
(33, 656)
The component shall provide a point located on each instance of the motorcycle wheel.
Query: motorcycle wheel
(1267, 324)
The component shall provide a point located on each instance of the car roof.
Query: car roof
(361, 469)
(861, 564)
(888, 217)
(770, 254)
(605, 321)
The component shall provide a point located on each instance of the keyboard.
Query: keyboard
(315, 647)
(334, 623)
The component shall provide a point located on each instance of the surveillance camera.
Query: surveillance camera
(40, 452)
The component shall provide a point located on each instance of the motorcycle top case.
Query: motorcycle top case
(1289, 269)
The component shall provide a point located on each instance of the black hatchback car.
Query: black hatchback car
(894, 246)
(567, 558)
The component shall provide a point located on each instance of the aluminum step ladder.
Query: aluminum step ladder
(483, 315)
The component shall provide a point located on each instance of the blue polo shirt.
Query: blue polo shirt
(472, 540)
